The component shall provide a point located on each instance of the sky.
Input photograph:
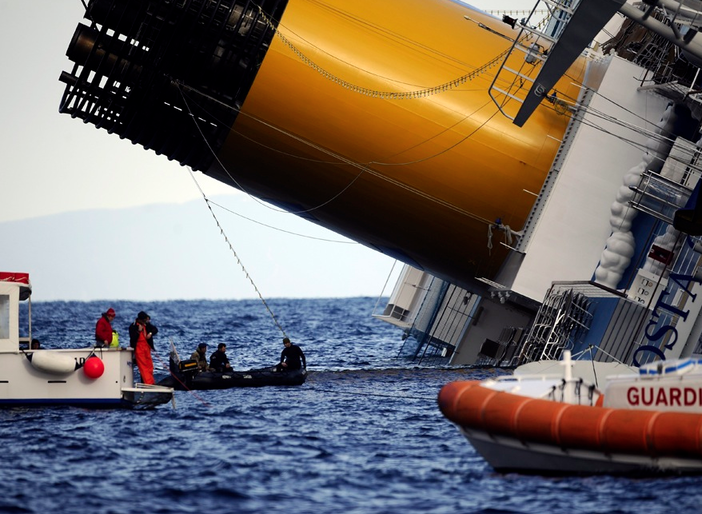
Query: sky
(54, 167)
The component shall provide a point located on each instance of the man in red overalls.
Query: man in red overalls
(141, 334)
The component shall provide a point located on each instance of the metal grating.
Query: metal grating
(137, 59)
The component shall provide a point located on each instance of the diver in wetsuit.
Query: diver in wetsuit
(291, 358)
(219, 361)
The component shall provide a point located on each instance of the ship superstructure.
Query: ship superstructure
(599, 268)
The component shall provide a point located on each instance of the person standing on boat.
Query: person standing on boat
(103, 328)
(292, 357)
(200, 356)
(219, 361)
(141, 339)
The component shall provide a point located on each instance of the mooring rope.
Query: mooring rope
(380, 395)
(219, 225)
(236, 255)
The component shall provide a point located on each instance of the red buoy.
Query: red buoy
(93, 367)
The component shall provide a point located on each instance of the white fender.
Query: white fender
(53, 362)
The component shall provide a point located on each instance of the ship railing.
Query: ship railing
(659, 196)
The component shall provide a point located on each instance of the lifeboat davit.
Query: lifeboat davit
(516, 432)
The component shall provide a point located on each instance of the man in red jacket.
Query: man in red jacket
(103, 328)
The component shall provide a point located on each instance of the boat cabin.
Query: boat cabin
(14, 288)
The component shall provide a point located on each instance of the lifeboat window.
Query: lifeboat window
(4, 316)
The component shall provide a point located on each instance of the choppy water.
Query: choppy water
(362, 435)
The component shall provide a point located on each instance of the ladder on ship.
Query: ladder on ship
(515, 77)
(562, 321)
(653, 56)
(549, 47)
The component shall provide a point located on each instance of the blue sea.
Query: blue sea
(362, 435)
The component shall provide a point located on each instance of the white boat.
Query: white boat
(85, 377)
(643, 423)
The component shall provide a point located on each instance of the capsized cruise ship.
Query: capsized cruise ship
(534, 173)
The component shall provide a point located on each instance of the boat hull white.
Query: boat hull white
(23, 383)
(507, 454)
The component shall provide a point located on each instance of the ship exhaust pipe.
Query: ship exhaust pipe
(129, 62)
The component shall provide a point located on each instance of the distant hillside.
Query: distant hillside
(177, 252)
